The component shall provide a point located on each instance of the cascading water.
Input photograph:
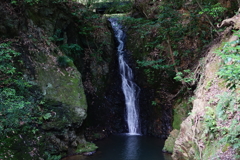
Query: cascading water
(130, 89)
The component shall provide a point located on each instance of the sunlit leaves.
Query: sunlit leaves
(213, 10)
(230, 69)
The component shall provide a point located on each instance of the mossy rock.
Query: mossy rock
(86, 147)
(170, 142)
(62, 90)
(181, 110)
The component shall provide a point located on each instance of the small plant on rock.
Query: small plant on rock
(64, 61)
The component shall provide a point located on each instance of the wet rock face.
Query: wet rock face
(102, 83)
(154, 104)
(155, 119)
(107, 109)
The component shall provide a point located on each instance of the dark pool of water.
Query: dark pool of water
(127, 147)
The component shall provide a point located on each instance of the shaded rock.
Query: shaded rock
(63, 103)
(170, 142)
(195, 139)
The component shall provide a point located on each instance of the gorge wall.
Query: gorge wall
(202, 134)
(68, 56)
(44, 34)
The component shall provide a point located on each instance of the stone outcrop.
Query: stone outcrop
(234, 21)
(59, 86)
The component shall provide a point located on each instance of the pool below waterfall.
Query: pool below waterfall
(127, 147)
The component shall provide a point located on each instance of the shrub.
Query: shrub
(230, 69)
(64, 61)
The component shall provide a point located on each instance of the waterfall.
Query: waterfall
(130, 89)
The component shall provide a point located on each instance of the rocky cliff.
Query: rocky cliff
(44, 34)
(212, 128)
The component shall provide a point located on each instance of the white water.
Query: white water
(130, 89)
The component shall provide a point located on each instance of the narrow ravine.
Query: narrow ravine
(134, 145)
(130, 89)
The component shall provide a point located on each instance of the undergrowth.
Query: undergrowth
(21, 111)
(222, 119)
(230, 69)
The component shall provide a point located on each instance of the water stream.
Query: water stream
(130, 89)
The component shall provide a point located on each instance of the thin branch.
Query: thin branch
(172, 56)
(207, 16)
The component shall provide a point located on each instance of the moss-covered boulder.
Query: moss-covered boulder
(64, 103)
(38, 32)
(169, 143)
(61, 87)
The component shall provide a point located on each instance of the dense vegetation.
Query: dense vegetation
(20, 109)
(221, 119)
(173, 31)
(23, 108)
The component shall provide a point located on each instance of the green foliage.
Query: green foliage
(52, 157)
(59, 1)
(64, 61)
(182, 78)
(31, 2)
(221, 122)
(9, 76)
(232, 136)
(226, 104)
(119, 7)
(157, 64)
(151, 68)
(57, 36)
(89, 21)
(47, 116)
(154, 103)
(86, 30)
(86, 147)
(140, 25)
(214, 10)
(71, 49)
(19, 108)
(173, 27)
(13, 107)
(14, 110)
(35, 2)
(210, 120)
(230, 69)
(170, 141)
(6, 56)
(169, 23)
(177, 119)
(181, 111)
